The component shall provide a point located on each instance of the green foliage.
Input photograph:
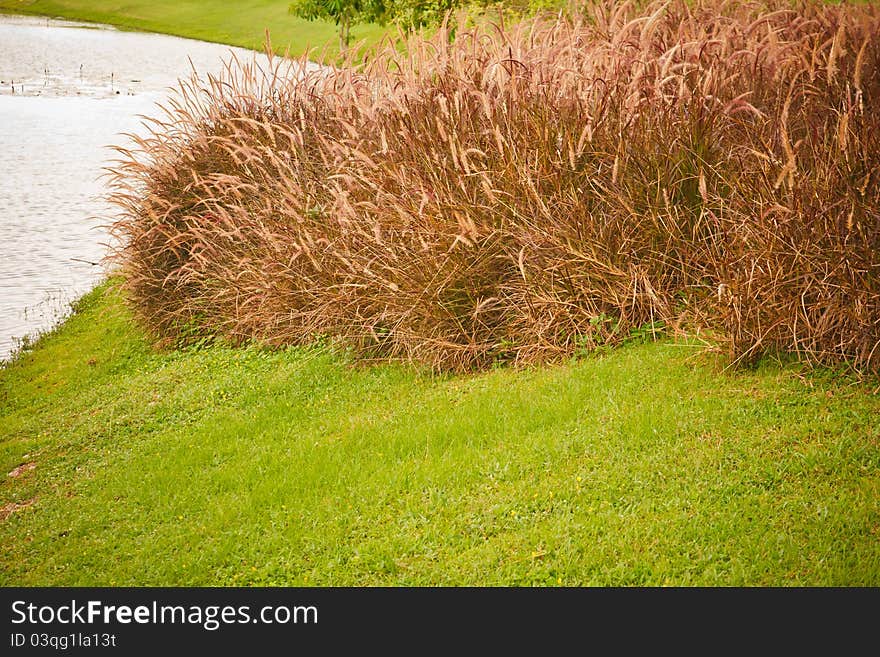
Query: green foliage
(409, 14)
(344, 13)
(419, 13)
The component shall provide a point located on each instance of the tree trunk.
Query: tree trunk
(344, 26)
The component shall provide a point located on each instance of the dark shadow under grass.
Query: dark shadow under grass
(221, 466)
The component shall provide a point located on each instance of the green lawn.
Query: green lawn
(643, 466)
(239, 23)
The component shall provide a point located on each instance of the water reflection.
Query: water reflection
(67, 92)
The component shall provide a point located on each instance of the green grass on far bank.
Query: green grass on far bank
(227, 466)
(240, 23)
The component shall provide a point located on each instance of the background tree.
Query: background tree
(342, 12)
(413, 14)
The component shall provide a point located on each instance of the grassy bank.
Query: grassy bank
(242, 23)
(645, 465)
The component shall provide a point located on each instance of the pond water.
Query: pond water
(68, 92)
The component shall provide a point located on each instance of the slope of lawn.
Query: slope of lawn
(240, 23)
(645, 465)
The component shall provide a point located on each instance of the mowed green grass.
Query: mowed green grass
(220, 466)
(239, 23)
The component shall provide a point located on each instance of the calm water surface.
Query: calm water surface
(67, 93)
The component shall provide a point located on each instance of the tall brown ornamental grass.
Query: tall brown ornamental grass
(520, 193)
